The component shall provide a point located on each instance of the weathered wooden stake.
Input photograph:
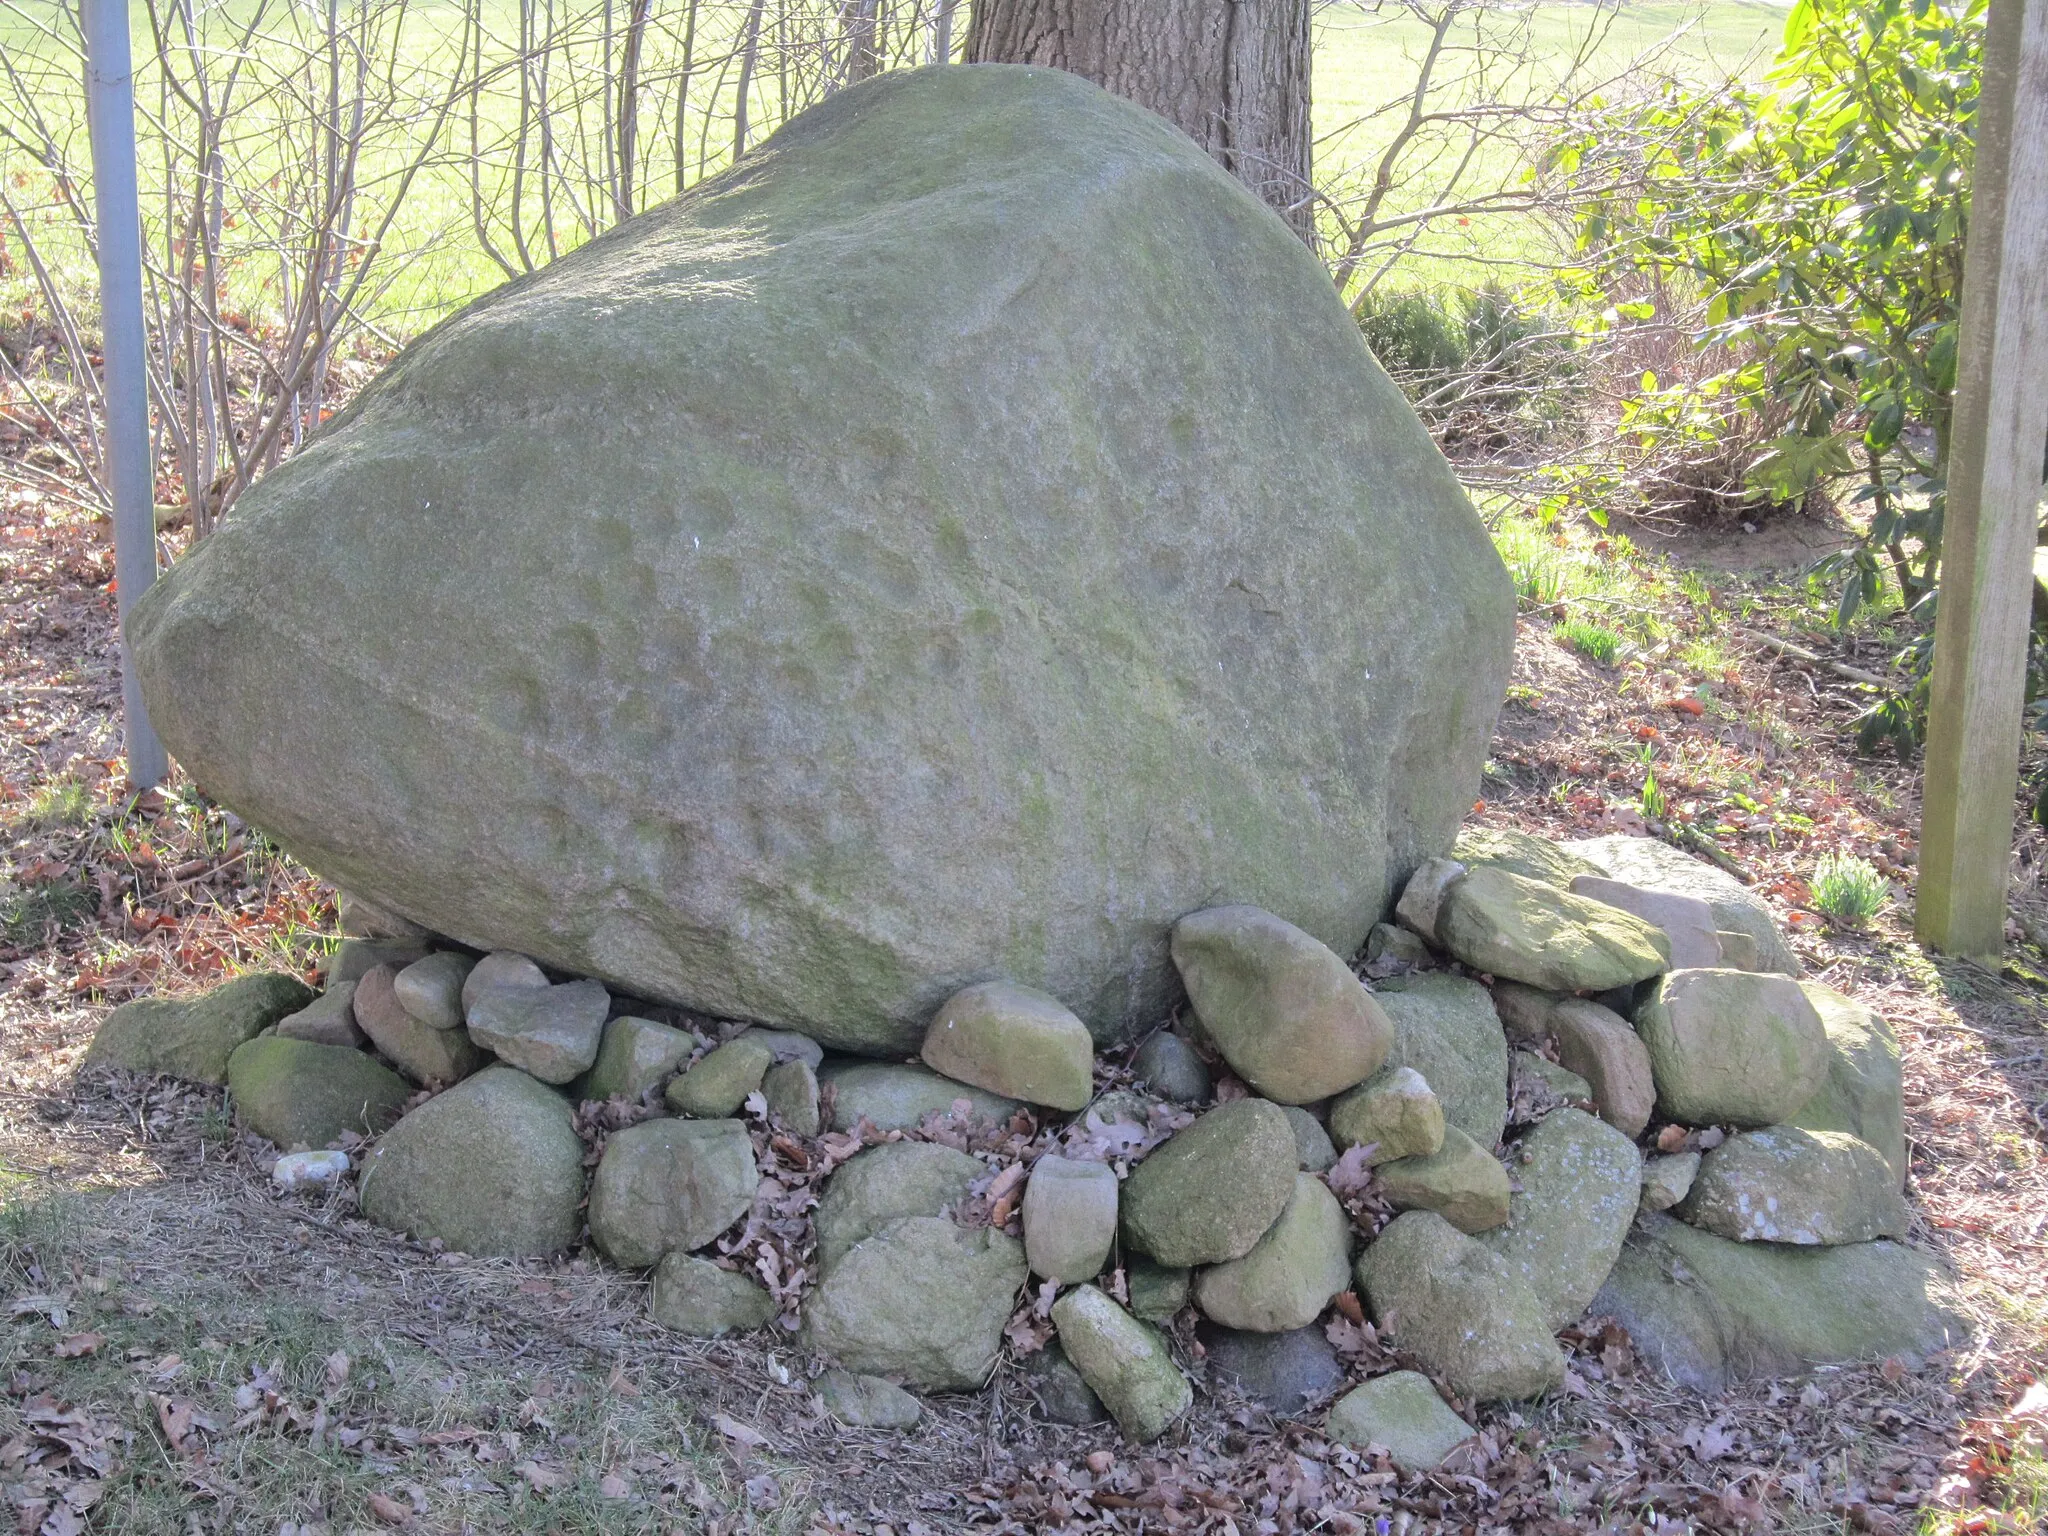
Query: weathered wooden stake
(1994, 488)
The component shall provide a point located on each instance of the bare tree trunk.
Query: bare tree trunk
(1232, 74)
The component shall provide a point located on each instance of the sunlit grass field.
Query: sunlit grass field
(433, 259)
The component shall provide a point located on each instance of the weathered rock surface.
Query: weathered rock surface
(1524, 1011)
(788, 1045)
(1158, 1291)
(1211, 1191)
(1422, 898)
(920, 1299)
(297, 1093)
(361, 918)
(1069, 1218)
(1313, 1148)
(897, 1098)
(1538, 1079)
(1169, 1066)
(1394, 1111)
(1292, 1271)
(1520, 853)
(1599, 1045)
(431, 989)
(551, 1033)
(1668, 1179)
(634, 1057)
(694, 1296)
(1402, 1413)
(428, 1055)
(1863, 1093)
(1582, 1181)
(737, 722)
(492, 1166)
(192, 1038)
(867, 1402)
(1284, 1371)
(1459, 1308)
(1508, 925)
(670, 1186)
(1655, 865)
(718, 1084)
(1446, 1029)
(1013, 1041)
(886, 1183)
(1395, 947)
(1732, 1047)
(330, 1019)
(1707, 1311)
(1687, 921)
(1461, 1181)
(791, 1091)
(352, 957)
(1124, 1361)
(1063, 1397)
(1786, 1185)
(500, 968)
(1282, 1007)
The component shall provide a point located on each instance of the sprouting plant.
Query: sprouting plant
(61, 803)
(1848, 889)
(1653, 796)
(1594, 641)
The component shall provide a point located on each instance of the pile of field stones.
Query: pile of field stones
(1305, 1138)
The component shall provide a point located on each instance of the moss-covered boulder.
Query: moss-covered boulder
(1211, 1191)
(1581, 1181)
(297, 1093)
(1461, 1181)
(1293, 1270)
(634, 1057)
(1786, 1185)
(1013, 1041)
(886, 1183)
(1458, 1308)
(1445, 1028)
(493, 1166)
(1520, 853)
(920, 1299)
(718, 1085)
(1124, 1361)
(670, 1186)
(1656, 865)
(1403, 1415)
(1863, 1093)
(1732, 1047)
(1708, 1311)
(193, 1037)
(893, 1097)
(1281, 1006)
(1509, 925)
(1395, 1112)
(957, 541)
(696, 1297)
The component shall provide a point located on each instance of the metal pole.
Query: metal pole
(110, 103)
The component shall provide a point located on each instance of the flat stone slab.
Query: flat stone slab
(1507, 925)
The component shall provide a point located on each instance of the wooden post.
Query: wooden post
(1994, 485)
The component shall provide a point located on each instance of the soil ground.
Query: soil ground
(188, 1351)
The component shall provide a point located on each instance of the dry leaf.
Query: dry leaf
(75, 1345)
(542, 1479)
(389, 1510)
(613, 1486)
(337, 1369)
(734, 1430)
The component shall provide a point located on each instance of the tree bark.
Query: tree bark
(1231, 74)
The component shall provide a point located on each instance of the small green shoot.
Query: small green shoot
(61, 803)
(1848, 890)
(1593, 641)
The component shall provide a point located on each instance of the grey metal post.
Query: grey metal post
(110, 101)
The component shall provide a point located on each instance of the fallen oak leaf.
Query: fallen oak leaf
(77, 1345)
(389, 1510)
(734, 1430)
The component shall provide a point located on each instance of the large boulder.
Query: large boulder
(668, 1186)
(493, 1166)
(1707, 1311)
(886, 1183)
(1291, 1273)
(1211, 1191)
(1657, 866)
(1445, 1028)
(1864, 1091)
(921, 1299)
(298, 1093)
(1459, 1308)
(1581, 1183)
(1732, 1047)
(1785, 1185)
(1283, 1008)
(193, 1037)
(956, 542)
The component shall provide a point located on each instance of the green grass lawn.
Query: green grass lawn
(433, 259)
